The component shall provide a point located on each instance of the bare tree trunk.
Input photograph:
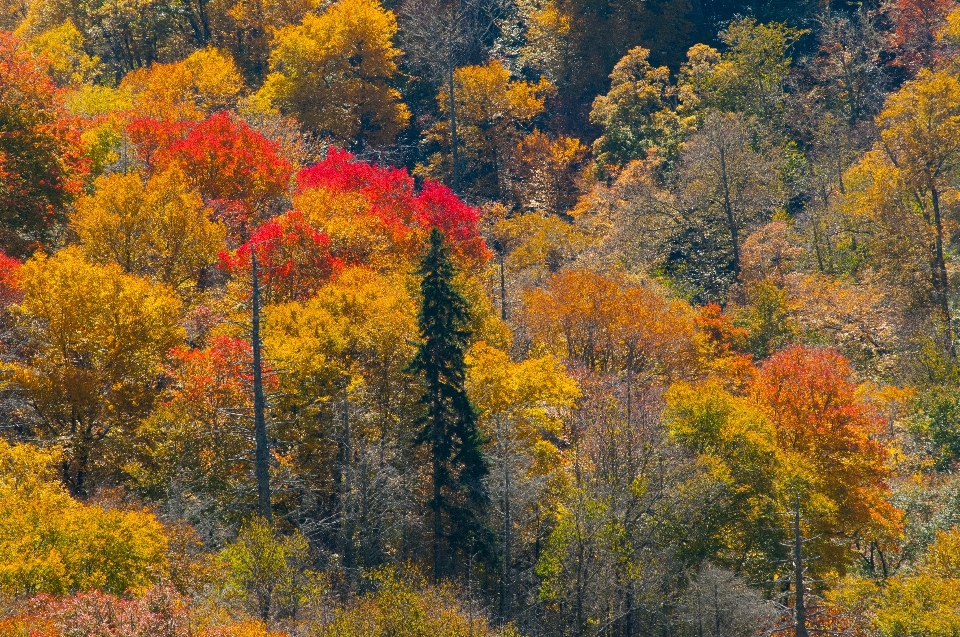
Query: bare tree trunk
(454, 142)
(505, 590)
(437, 502)
(262, 454)
(503, 286)
(799, 607)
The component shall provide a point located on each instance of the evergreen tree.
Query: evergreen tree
(449, 424)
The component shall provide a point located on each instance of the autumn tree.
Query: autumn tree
(449, 424)
(521, 408)
(914, 42)
(748, 78)
(902, 186)
(801, 436)
(546, 172)
(347, 403)
(730, 182)
(96, 340)
(636, 114)
(159, 230)
(61, 48)
(835, 462)
(848, 68)
(293, 259)
(268, 572)
(50, 543)
(222, 158)
(41, 163)
(439, 36)
(609, 324)
(375, 216)
(124, 36)
(333, 72)
(491, 111)
(204, 83)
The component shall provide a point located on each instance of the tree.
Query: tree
(832, 458)
(730, 182)
(636, 114)
(293, 259)
(333, 72)
(848, 68)
(123, 35)
(924, 601)
(206, 82)
(50, 543)
(399, 602)
(41, 161)
(608, 324)
(491, 110)
(917, 23)
(800, 442)
(521, 408)
(96, 338)
(546, 173)
(61, 48)
(221, 157)
(374, 216)
(739, 445)
(919, 155)
(159, 230)
(748, 78)
(449, 424)
(268, 571)
(439, 36)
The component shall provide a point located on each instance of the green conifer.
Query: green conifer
(449, 424)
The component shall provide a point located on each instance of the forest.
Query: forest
(479, 318)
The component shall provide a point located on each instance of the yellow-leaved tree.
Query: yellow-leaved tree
(333, 72)
(159, 230)
(926, 599)
(491, 112)
(50, 543)
(94, 342)
(902, 189)
(521, 412)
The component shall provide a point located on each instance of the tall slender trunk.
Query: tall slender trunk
(437, 493)
(941, 283)
(799, 607)
(728, 209)
(505, 591)
(503, 286)
(262, 454)
(346, 516)
(454, 142)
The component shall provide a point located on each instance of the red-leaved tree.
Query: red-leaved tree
(223, 158)
(293, 258)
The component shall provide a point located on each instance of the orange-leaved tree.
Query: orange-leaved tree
(41, 157)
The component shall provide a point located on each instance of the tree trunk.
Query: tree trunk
(437, 493)
(503, 286)
(454, 142)
(941, 283)
(505, 592)
(262, 454)
(800, 610)
(731, 218)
